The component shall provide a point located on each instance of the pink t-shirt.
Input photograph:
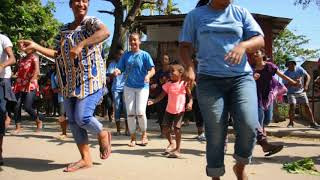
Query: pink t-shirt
(176, 96)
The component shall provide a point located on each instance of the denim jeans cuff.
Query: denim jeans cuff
(242, 160)
(215, 172)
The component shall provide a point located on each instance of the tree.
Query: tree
(306, 3)
(171, 8)
(122, 22)
(287, 43)
(28, 19)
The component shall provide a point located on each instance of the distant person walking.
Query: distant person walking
(297, 94)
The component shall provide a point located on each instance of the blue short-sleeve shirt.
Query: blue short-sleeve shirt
(135, 65)
(297, 75)
(214, 33)
(118, 82)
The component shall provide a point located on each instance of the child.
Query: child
(176, 90)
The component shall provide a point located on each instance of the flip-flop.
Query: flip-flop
(105, 150)
(75, 167)
(174, 155)
(274, 151)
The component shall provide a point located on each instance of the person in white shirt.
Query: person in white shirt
(6, 60)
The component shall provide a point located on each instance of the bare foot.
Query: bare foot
(39, 126)
(171, 147)
(239, 172)
(77, 166)
(105, 145)
(16, 131)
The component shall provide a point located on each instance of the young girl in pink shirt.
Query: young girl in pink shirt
(176, 89)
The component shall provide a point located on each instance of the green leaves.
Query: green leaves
(287, 43)
(28, 19)
(304, 166)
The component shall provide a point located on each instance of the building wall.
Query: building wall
(163, 33)
(311, 67)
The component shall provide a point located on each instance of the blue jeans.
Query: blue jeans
(119, 105)
(80, 116)
(217, 97)
(265, 116)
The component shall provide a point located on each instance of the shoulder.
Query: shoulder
(197, 11)
(5, 40)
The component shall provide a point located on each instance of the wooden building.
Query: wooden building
(163, 32)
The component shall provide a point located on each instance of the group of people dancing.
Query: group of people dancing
(222, 85)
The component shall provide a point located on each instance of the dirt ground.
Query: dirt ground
(31, 156)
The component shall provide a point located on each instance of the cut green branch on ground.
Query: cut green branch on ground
(304, 166)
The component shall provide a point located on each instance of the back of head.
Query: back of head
(202, 3)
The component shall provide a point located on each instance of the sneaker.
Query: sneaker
(202, 137)
(314, 125)
(62, 137)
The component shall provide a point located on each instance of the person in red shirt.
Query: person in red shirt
(25, 88)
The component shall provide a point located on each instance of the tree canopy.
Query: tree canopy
(289, 44)
(28, 19)
(306, 3)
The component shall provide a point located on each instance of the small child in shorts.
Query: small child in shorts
(176, 89)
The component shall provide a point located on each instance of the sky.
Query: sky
(304, 21)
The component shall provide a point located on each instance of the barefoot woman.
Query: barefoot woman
(81, 71)
(222, 33)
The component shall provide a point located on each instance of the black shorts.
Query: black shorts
(170, 120)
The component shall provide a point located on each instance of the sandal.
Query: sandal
(275, 150)
(132, 143)
(174, 154)
(144, 141)
(105, 149)
(75, 167)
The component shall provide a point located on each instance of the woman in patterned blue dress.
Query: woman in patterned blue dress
(81, 71)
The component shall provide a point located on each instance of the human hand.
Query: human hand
(189, 76)
(146, 79)
(235, 55)
(76, 51)
(256, 76)
(27, 45)
(154, 86)
(116, 72)
(189, 106)
(151, 102)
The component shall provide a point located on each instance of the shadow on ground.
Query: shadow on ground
(156, 152)
(32, 165)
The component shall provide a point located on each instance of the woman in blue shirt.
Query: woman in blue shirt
(221, 33)
(139, 68)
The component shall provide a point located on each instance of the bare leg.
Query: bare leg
(177, 132)
(239, 170)
(309, 113)
(118, 126)
(1, 140)
(84, 162)
(291, 114)
(167, 133)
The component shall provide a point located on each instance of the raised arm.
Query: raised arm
(98, 36)
(11, 59)
(287, 79)
(28, 45)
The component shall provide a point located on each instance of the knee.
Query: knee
(81, 119)
(140, 116)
